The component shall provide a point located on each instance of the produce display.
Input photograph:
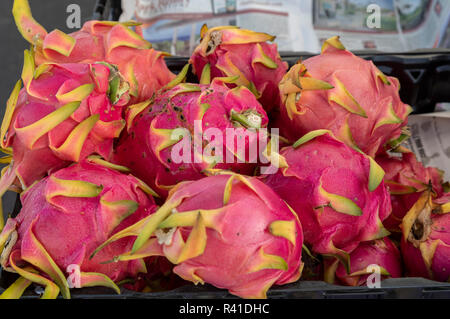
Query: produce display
(256, 175)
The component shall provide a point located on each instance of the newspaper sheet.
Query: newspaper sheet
(430, 139)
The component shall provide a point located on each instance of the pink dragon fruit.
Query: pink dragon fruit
(113, 42)
(64, 113)
(230, 51)
(345, 94)
(425, 244)
(380, 252)
(337, 192)
(406, 179)
(227, 230)
(64, 217)
(171, 124)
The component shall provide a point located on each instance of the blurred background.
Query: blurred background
(301, 25)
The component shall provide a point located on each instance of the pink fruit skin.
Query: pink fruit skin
(407, 171)
(359, 77)
(342, 171)
(244, 226)
(139, 149)
(227, 58)
(440, 259)
(33, 161)
(381, 252)
(143, 67)
(70, 231)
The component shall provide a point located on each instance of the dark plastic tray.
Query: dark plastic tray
(398, 288)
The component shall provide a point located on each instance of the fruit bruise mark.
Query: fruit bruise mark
(215, 39)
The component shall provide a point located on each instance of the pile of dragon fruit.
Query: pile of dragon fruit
(91, 129)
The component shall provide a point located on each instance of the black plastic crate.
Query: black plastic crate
(395, 288)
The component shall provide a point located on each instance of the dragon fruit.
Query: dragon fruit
(65, 216)
(113, 42)
(227, 230)
(64, 113)
(230, 51)
(425, 244)
(406, 179)
(345, 94)
(337, 192)
(380, 252)
(172, 123)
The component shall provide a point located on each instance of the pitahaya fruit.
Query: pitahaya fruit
(230, 231)
(337, 192)
(348, 95)
(113, 42)
(381, 253)
(425, 244)
(64, 113)
(230, 51)
(65, 216)
(156, 150)
(406, 179)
